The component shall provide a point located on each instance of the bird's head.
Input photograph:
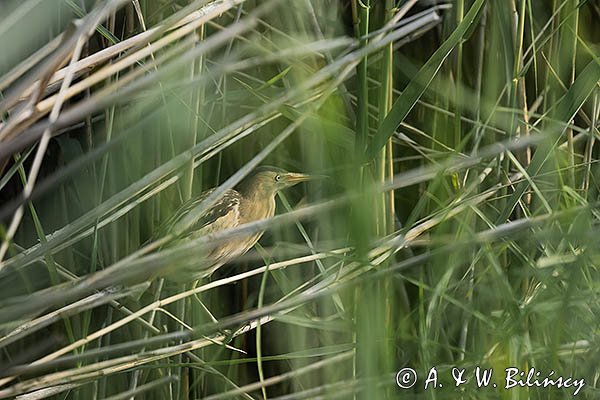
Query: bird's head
(270, 180)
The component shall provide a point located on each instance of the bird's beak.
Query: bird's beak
(292, 178)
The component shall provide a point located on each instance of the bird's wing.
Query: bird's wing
(224, 214)
(221, 215)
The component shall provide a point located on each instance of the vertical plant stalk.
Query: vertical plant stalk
(518, 95)
(571, 32)
(458, 103)
(387, 198)
(384, 165)
(197, 99)
(464, 332)
(360, 20)
(519, 102)
(259, 339)
(360, 15)
(589, 148)
(481, 44)
(525, 157)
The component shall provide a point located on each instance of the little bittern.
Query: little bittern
(251, 200)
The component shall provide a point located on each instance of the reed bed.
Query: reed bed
(456, 229)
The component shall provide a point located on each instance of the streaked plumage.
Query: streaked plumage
(252, 200)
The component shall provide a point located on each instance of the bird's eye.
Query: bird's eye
(277, 178)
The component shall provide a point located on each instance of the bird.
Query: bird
(251, 200)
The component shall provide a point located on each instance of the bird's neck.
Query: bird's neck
(257, 207)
